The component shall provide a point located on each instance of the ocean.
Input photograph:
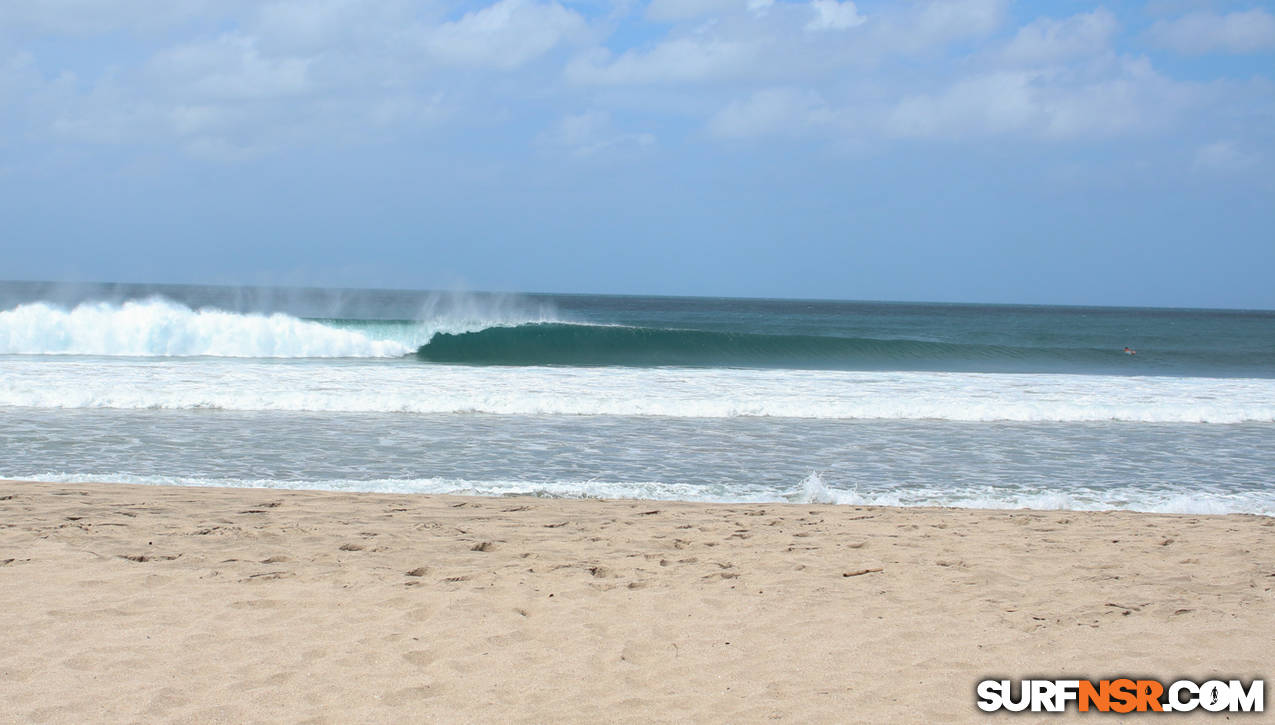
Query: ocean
(908, 404)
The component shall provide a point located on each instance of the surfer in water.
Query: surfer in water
(1130, 351)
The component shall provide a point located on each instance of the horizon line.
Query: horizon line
(334, 288)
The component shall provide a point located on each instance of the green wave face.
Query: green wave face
(597, 345)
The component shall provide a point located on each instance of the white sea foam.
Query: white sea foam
(1130, 498)
(156, 327)
(814, 490)
(407, 386)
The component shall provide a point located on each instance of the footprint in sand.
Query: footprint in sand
(259, 604)
(420, 657)
(408, 695)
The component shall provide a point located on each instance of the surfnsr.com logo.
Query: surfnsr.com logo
(1122, 695)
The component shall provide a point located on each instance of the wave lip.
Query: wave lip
(158, 328)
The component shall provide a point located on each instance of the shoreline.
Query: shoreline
(132, 601)
(822, 495)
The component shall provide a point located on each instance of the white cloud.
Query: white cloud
(1224, 157)
(104, 115)
(991, 103)
(414, 109)
(89, 17)
(316, 25)
(18, 75)
(504, 35)
(938, 23)
(222, 150)
(677, 11)
(1043, 104)
(249, 92)
(773, 111)
(231, 68)
(681, 60)
(1250, 31)
(759, 7)
(774, 44)
(833, 15)
(1047, 40)
(292, 73)
(664, 11)
(592, 134)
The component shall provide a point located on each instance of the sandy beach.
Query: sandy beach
(122, 603)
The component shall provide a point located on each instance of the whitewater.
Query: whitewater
(352, 386)
(160, 328)
(642, 397)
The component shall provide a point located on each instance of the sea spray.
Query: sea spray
(457, 312)
(814, 490)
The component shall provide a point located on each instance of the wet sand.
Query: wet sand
(123, 603)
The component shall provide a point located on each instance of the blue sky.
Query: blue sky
(979, 150)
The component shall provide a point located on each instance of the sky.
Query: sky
(970, 151)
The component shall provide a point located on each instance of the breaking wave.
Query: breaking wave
(156, 327)
(509, 332)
